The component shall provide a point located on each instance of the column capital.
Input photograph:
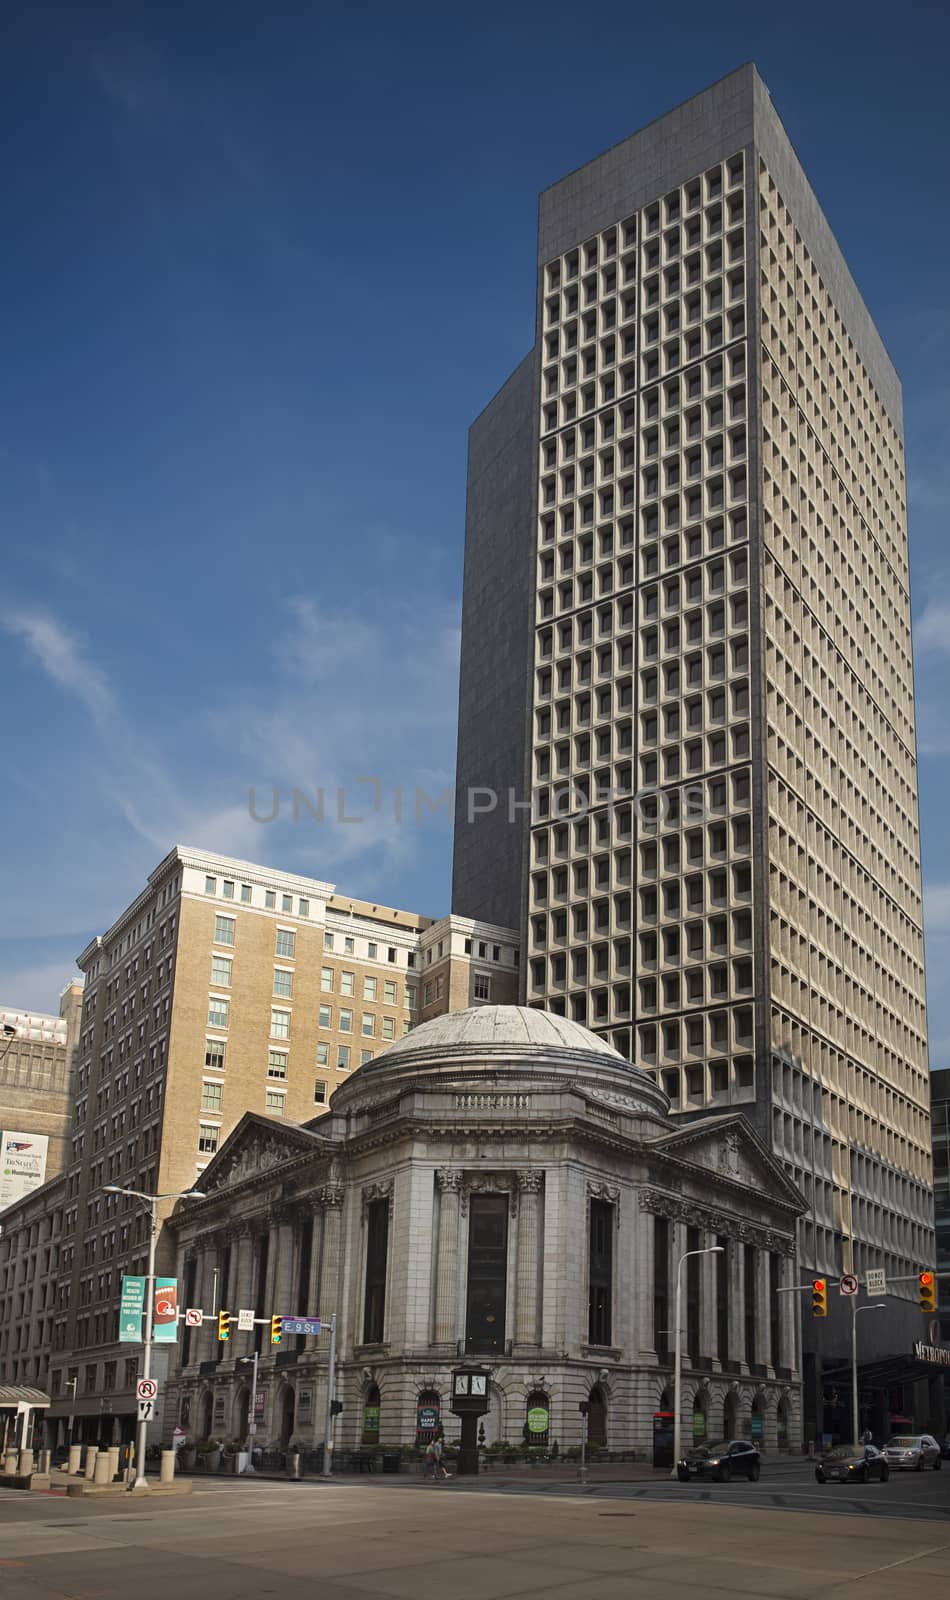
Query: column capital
(448, 1178)
(530, 1182)
(331, 1195)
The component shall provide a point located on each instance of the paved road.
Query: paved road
(349, 1541)
(908, 1495)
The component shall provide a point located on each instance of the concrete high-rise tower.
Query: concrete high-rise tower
(686, 634)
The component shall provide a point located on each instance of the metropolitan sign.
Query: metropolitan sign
(22, 1164)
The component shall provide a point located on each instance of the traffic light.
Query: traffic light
(224, 1326)
(927, 1285)
(819, 1297)
(276, 1329)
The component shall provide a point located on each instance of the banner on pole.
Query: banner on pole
(131, 1310)
(165, 1314)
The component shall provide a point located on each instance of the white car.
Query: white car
(911, 1452)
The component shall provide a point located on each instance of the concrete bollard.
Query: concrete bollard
(101, 1473)
(45, 1461)
(74, 1463)
(167, 1474)
(113, 1454)
(25, 1464)
(10, 1462)
(92, 1450)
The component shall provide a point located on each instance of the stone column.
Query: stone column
(283, 1303)
(645, 1279)
(736, 1300)
(708, 1321)
(314, 1308)
(449, 1184)
(791, 1307)
(243, 1253)
(763, 1321)
(528, 1260)
(331, 1199)
(205, 1337)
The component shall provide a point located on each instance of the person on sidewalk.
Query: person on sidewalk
(434, 1466)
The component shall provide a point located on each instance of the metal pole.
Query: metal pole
(252, 1424)
(854, 1368)
(710, 1250)
(677, 1367)
(140, 1479)
(331, 1379)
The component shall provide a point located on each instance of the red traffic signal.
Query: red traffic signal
(819, 1297)
(927, 1289)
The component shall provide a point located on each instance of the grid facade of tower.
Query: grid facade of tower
(721, 868)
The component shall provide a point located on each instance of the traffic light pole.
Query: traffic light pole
(331, 1383)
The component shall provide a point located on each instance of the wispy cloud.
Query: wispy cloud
(64, 660)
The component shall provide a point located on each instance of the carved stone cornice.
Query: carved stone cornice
(603, 1191)
(695, 1215)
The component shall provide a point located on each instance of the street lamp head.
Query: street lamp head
(194, 1194)
(9, 1030)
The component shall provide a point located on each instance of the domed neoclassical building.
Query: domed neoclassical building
(500, 1185)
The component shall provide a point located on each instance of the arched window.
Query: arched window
(537, 1418)
(428, 1416)
(371, 1415)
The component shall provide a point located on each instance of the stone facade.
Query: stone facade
(523, 1177)
(225, 987)
(36, 1063)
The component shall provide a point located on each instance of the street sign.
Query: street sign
(307, 1325)
(146, 1410)
(246, 1321)
(848, 1284)
(146, 1389)
(875, 1280)
(193, 1317)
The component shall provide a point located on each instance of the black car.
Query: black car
(852, 1463)
(721, 1460)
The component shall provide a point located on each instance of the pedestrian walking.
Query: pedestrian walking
(434, 1467)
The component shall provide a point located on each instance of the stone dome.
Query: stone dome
(502, 1026)
(514, 1048)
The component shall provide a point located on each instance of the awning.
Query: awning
(15, 1394)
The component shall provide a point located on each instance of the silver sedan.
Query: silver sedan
(911, 1452)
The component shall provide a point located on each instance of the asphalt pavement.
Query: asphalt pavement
(407, 1540)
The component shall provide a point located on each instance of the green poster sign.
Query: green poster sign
(165, 1312)
(538, 1418)
(131, 1310)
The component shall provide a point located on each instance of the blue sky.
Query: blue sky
(261, 267)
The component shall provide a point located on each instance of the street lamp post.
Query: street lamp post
(151, 1201)
(252, 1416)
(712, 1250)
(855, 1313)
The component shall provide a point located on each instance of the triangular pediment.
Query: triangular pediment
(729, 1147)
(256, 1146)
